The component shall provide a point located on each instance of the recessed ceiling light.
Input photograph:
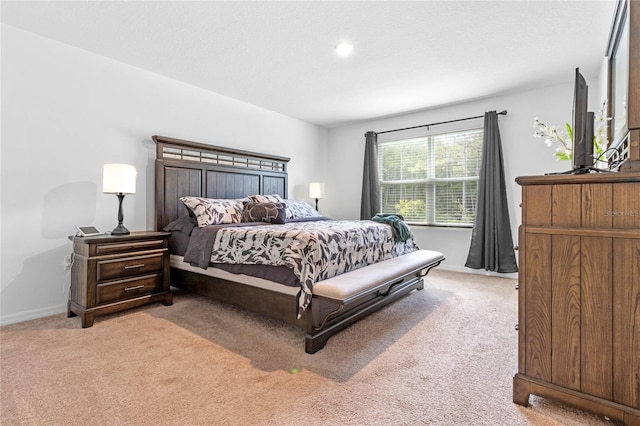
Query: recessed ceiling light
(344, 49)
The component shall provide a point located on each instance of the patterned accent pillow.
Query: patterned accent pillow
(210, 211)
(263, 212)
(273, 198)
(300, 209)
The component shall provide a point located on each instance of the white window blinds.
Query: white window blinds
(433, 179)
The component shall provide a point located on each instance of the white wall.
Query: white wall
(66, 112)
(523, 155)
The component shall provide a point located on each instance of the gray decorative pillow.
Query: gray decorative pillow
(300, 209)
(263, 212)
(210, 211)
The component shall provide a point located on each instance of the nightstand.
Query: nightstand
(111, 273)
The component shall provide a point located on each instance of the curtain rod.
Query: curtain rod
(435, 124)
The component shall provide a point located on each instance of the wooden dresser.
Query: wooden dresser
(113, 273)
(579, 293)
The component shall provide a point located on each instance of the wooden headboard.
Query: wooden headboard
(185, 168)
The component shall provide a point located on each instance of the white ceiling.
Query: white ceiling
(408, 55)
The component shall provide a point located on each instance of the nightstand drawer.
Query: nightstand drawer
(126, 289)
(128, 246)
(125, 267)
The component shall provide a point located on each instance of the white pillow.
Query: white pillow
(300, 209)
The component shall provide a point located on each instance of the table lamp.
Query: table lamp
(119, 179)
(316, 190)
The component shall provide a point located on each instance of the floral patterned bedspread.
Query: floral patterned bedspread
(313, 250)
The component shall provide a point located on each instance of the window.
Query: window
(432, 180)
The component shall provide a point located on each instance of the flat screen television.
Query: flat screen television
(583, 122)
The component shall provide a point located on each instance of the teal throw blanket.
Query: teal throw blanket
(401, 231)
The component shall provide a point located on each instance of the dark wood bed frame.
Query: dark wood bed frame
(185, 168)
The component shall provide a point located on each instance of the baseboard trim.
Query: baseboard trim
(466, 270)
(33, 314)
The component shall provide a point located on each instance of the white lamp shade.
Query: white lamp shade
(316, 190)
(119, 179)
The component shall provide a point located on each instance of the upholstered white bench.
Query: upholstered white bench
(348, 286)
(353, 295)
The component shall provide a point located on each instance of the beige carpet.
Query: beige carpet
(441, 356)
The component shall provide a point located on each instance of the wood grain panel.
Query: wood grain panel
(597, 200)
(231, 185)
(565, 205)
(536, 205)
(538, 307)
(274, 185)
(179, 182)
(248, 185)
(565, 324)
(626, 206)
(522, 298)
(626, 322)
(596, 317)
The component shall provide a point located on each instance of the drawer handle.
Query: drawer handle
(138, 287)
(139, 265)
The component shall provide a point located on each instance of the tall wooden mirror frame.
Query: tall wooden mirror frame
(624, 48)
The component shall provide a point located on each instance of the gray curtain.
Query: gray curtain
(370, 201)
(491, 241)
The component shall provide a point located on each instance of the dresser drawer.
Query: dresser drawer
(129, 266)
(126, 289)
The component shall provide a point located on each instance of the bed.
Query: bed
(323, 300)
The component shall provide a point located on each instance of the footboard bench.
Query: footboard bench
(351, 296)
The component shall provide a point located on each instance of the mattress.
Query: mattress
(178, 262)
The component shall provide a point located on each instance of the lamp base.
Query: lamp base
(120, 230)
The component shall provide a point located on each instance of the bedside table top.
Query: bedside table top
(139, 235)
